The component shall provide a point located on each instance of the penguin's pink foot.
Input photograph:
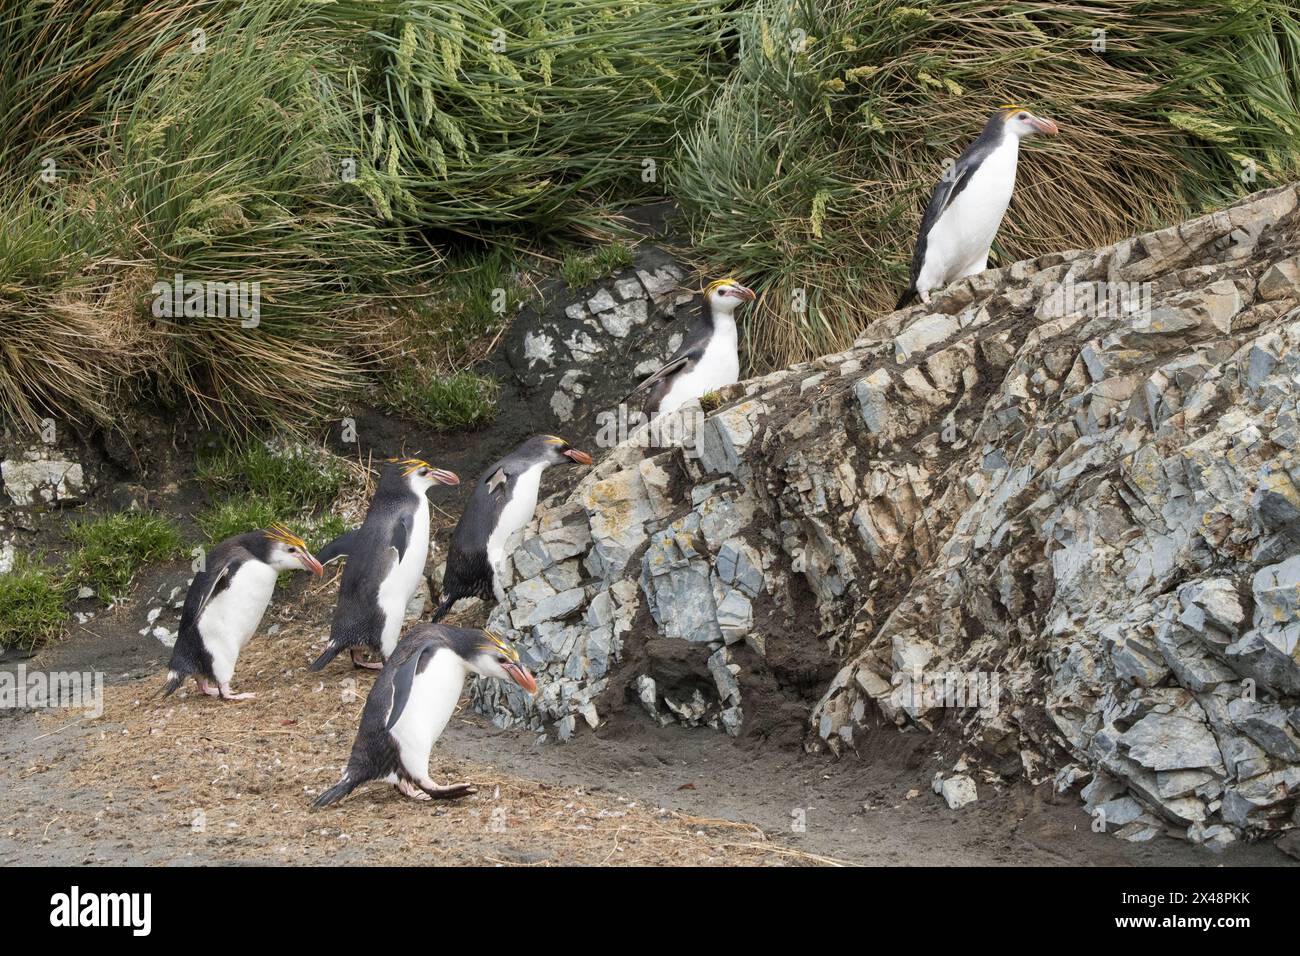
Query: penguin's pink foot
(453, 791)
(228, 694)
(409, 789)
(210, 689)
(358, 660)
(923, 295)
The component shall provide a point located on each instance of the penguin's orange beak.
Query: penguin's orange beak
(444, 477)
(746, 294)
(519, 674)
(311, 564)
(581, 457)
(1043, 125)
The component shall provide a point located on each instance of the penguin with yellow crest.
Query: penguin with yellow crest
(967, 206)
(385, 562)
(709, 356)
(411, 702)
(503, 501)
(225, 604)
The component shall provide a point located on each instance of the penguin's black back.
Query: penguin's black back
(374, 754)
(189, 656)
(947, 189)
(468, 572)
(358, 619)
(692, 349)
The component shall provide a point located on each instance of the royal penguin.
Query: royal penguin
(385, 562)
(503, 501)
(411, 702)
(969, 202)
(225, 603)
(709, 356)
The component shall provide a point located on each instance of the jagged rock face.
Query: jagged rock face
(1053, 515)
(578, 359)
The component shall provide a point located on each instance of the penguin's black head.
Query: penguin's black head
(495, 657)
(1019, 122)
(555, 450)
(285, 551)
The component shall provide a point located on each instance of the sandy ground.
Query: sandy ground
(191, 780)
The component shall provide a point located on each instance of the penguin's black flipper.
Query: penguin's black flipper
(907, 298)
(174, 680)
(405, 677)
(401, 535)
(338, 548)
(328, 655)
(337, 792)
(441, 610)
(669, 368)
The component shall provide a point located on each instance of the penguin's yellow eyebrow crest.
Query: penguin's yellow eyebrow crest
(495, 641)
(556, 440)
(410, 464)
(278, 532)
(718, 283)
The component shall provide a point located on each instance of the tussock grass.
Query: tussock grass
(112, 549)
(809, 175)
(491, 114)
(32, 613)
(217, 167)
(297, 145)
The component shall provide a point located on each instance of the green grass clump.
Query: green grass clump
(292, 477)
(462, 400)
(580, 269)
(256, 484)
(474, 298)
(231, 516)
(113, 548)
(32, 613)
(810, 173)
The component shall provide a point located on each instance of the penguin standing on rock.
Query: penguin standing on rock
(411, 702)
(225, 603)
(386, 557)
(503, 502)
(968, 204)
(709, 356)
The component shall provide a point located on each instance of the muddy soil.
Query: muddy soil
(190, 780)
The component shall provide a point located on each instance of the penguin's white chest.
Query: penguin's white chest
(404, 578)
(958, 243)
(433, 699)
(230, 620)
(518, 511)
(718, 366)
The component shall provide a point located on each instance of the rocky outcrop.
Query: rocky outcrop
(577, 351)
(1053, 516)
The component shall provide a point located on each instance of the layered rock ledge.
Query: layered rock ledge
(1053, 516)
